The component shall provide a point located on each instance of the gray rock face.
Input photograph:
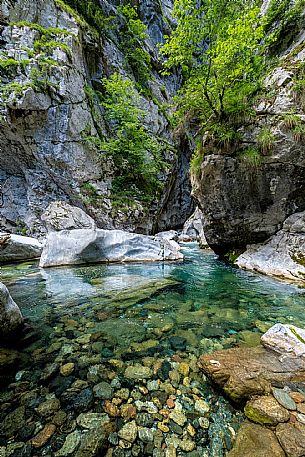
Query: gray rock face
(283, 255)
(10, 316)
(14, 248)
(285, 339)
(193, 229)
(62, 216)
(43, 155)
(90, 246)
(245, 202)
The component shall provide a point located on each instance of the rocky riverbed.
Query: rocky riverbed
(112, 366)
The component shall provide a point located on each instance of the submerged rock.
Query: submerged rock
(10, 315)
(255, 440)
(285, 339)
(16, 247)
(62, 216)
(72, 247)
(283, 255)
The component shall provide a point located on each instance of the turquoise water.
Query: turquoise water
(106, 318)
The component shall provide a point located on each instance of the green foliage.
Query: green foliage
(291, 120)
(217, 44)
(265, 140)
(251, 156)
(135, 151)
(284, 20)
(134, 33)
(86, 12)
(298, 133)
(196, 161)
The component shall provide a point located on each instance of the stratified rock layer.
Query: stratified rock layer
(72, 247)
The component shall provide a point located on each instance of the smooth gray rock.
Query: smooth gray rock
(16, 247)
(62, 216)
(168, 235)
(283, 255)
(285, 339)
(284, 399)
(74, 247)
(10, 315)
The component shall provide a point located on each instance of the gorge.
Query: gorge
(151, 152)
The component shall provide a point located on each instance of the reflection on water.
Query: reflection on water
(103, 319)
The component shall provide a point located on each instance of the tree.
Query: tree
(135, 151)
(217, 44)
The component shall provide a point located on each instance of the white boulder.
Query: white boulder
(193, 229)
(285, 339)
(16, 247)
(282, 255)
(81, 246)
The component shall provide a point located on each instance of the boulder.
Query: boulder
(285, 339)
(292, 439)
(62, 216)
(168, 235)
(193, 229)
(16, 247)
(282, 255)
(10, 316)
(244, 372)
(255, 440)
(266, 410)
(81, 246)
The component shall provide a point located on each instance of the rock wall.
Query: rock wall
(48, 105)
(246, 201)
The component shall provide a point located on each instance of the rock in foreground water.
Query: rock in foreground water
(10, 316)
(72, 247)
(285, 339)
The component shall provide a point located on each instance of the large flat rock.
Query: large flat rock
(244, 372)
(81, 246)
(16, 247)
(283, 255)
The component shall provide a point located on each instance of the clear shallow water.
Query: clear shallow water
(93, 315)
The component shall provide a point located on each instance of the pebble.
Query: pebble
(152, 385)
(111, 409)
(201, 406)
(103, 390)
(178, 417)
(129, 432)
(71, 442)
(204, 422)
(146, 434)
(178, 343)
(137, 372)
(184, 369)
(123, 394)
(43, 436)
(49, 407)
(301, 418)
(163, 427)
(128, 411)
(298, 397)
(92, 420)
(67, 369)
(284, 399)
(301, 408)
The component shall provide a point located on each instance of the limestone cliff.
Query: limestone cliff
(51, 66)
